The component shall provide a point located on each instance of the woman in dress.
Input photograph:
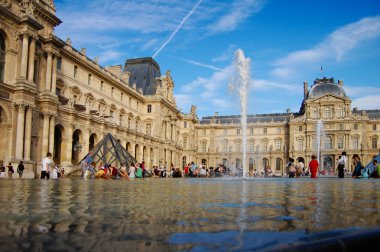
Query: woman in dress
(313, 166)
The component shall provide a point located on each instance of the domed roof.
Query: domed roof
(326, 86)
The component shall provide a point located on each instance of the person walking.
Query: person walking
(10, 170)
(342, 164)
(2, 169)
(313, 166)
(45, 171)
(20, 169)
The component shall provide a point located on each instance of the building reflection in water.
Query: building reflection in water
(176, 214)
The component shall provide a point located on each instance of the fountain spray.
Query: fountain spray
(240, 83)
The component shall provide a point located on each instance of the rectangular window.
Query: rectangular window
(265, 146)
(112, 90)
(101, 85)
(57, 91)
(75, 71)
(265, 130)
(374, 142)
(184, 144)
(89, 79)
(121, 97)
(225, 131)
(251, 131)
(59, 63)
(278, 145)
(238, 131)
(340, 143)
(300, 144)
(204, 145)
(238, 147)
(148, 129)
(300, 128)
(355, 126)
(185, 125)
(149, 108)
(278, 130)
(204, 132)
(250, 147)
(355, 143)
(374, 127)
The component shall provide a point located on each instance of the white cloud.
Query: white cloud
(226, 55)
(238, 12)
(262, 84)
(149, 45)
(334, 47)
(366, 102)
(109, 55)
(203, 65)
(358, 91)
(183, 21)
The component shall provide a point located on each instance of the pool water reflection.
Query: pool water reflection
(181, 214)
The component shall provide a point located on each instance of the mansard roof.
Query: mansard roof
(143, 71)
(326, 86)
(257, 118)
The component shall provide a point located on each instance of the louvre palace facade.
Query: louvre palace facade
(54, 98)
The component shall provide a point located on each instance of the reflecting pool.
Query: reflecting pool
(182, 214)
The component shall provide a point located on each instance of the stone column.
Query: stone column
(86, 141)
(147, 159)
(24, 56)
(32, 52)
(67, 146)
(54, 77)
(28, 133)
(48, 71)
(45, 135)
(20, 131)
(51, 134)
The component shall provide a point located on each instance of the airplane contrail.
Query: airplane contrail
(178, 28)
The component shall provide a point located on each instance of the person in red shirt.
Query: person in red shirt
(186, 170)
(313, 166)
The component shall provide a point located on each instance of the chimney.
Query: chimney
(83, 51)
(340, 82)
(288, 110)
(216, 114)
(305, 89)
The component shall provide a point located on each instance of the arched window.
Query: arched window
(2, 56)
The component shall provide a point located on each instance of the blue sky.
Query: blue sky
(287, 42)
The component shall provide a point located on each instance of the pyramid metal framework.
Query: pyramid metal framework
(111, 152)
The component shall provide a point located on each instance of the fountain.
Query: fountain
(240, 83)
(320, 133)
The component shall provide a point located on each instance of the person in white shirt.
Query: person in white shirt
(132, 170)
(342, 164)
(45, 171)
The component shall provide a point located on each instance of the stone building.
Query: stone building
(273, 138)
(53, 98)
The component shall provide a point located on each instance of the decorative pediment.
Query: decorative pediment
(75, 90)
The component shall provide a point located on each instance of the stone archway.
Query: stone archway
(76, 146)
(58, 135)
(136, 151)
(93, 140)
(5, 138)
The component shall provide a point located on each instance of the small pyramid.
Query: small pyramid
(111, 152)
